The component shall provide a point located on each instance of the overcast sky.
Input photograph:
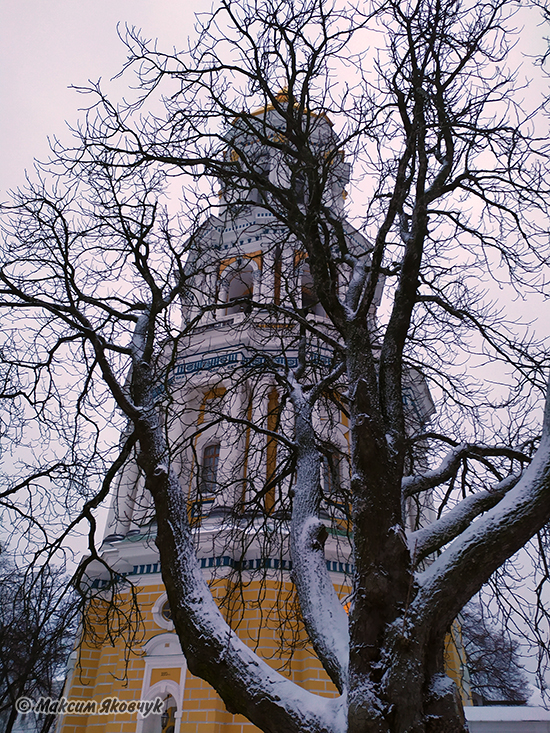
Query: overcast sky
(48, 45)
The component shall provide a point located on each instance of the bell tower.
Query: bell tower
(221, 392)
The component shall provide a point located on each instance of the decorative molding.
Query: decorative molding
(225, 561)
(204, 362)
(158, 618)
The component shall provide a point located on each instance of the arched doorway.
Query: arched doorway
(164, 678)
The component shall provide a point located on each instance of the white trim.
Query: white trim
(158, 618)
(163, 650)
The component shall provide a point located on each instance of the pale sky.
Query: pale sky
(48, 45)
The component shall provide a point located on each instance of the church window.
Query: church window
(277, 276)
(208, 481)
(240, 291)
(273, 408)
(210, 460)
(330, 475)
(334, 502)
(299, 185)
(262, 168)
(310, 301)
(166, 612)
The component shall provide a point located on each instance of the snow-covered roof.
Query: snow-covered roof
(508, 719)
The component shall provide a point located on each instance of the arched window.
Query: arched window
(330, 476)
(240, 290)
(166, 611)
(299, 187)
(208, 481)
(262, 167)
(334, 502)
(273, 409)
(277, 277)
(164, 676)
(209, 473)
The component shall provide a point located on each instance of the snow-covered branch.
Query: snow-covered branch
(462, 568)
(322, 611)
(449, 466)
(433, 537)
(213, 650)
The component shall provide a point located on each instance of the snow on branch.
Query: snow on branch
(433, 537)
(449, 466)
(323, 614)
(250, 686)
(463, 567)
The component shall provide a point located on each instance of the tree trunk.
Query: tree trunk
(11, 720)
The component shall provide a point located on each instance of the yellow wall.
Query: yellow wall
(103, 673)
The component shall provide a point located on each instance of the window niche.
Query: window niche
(208, 480)
(240, 290)
(209, 469)
(277, 277)
(333, 503)
(262, 169)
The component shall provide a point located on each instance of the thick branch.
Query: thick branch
(324, 617)
(460, 571)
(427, 540)
(213, 651)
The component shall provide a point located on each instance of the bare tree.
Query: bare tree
(454, 173)
(37, 630)
(494, 666)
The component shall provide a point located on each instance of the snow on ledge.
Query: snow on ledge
(506, 712)
(507, 719)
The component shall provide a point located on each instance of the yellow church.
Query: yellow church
(136, 680)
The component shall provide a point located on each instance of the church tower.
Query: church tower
(221, 390)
